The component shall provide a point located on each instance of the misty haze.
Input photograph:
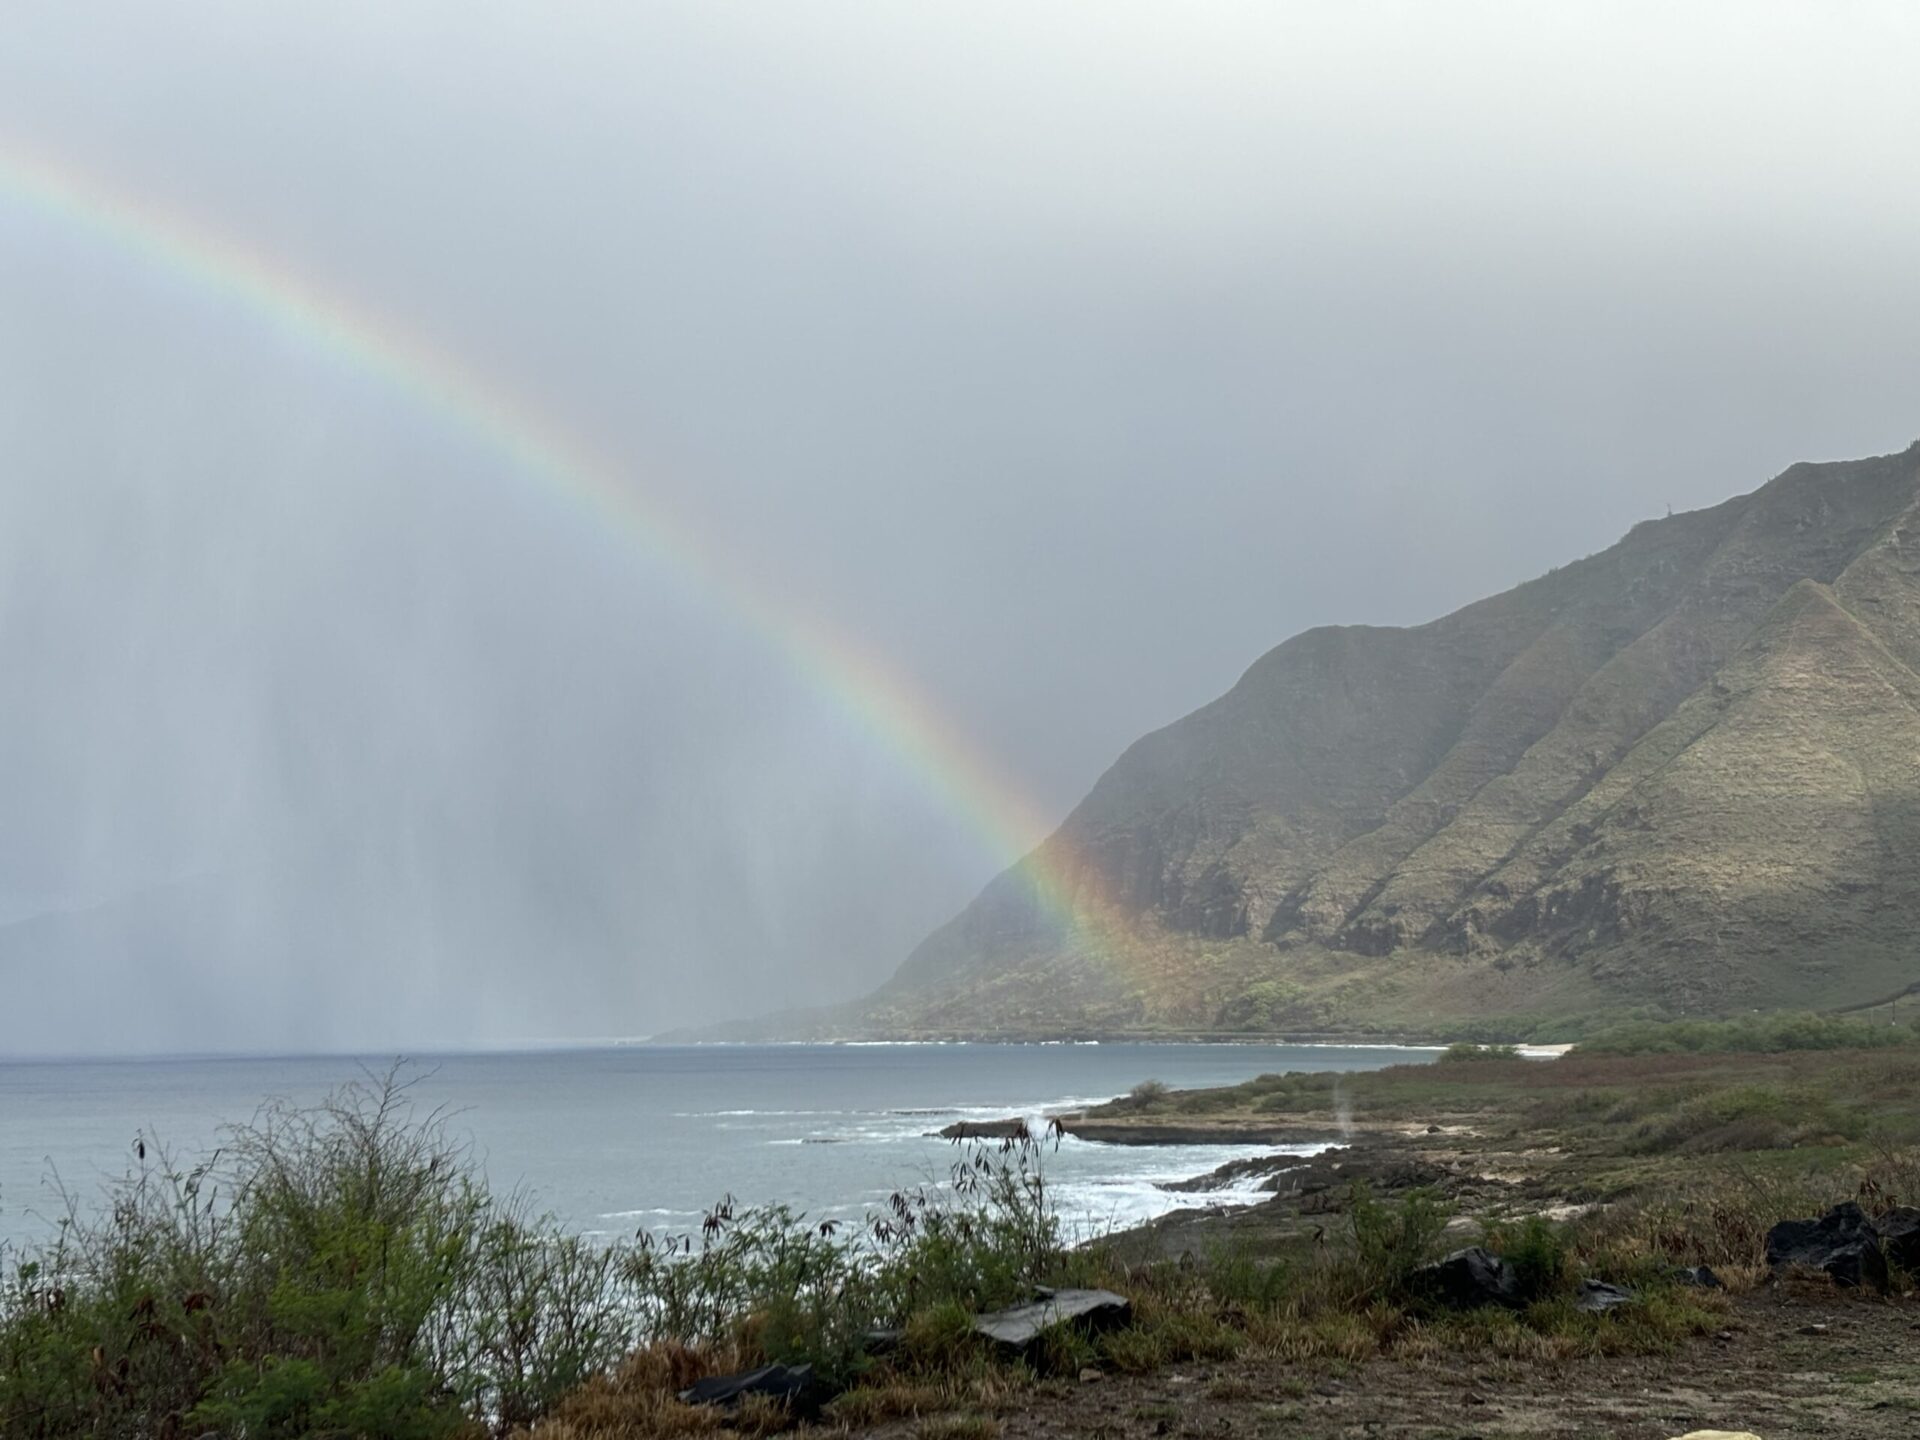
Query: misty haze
(1060, 398)
(1073, 641)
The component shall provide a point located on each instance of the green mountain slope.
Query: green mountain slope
(1680, 776)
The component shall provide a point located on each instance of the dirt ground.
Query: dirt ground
(1792, 1362)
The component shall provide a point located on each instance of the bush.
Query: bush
(759, 1281)
(764, 1284)
(1239, 1274)
(330, 1271)
(983, 1243)
(1391, 1241)
(1539, 1254)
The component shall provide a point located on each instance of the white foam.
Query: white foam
(1094, 1205)
(636, 1214)
(734, 1114)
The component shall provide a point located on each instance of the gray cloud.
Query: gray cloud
(1066, 357)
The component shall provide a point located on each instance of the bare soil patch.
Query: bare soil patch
(1794, 1362)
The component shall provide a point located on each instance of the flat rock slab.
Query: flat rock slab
(792, 1385)
(1595, 1297)
(1698, 1277)
(1020, 1327)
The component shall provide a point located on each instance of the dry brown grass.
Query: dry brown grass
(639, 1401)
(866, 1405)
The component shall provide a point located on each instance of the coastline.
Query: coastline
(759, 1032)
(1344, 1149)
(618, 1139)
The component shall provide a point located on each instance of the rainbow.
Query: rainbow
(864, 691)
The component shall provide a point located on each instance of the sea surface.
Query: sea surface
(622, 1139)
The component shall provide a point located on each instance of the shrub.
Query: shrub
(1239, 1274)
(1538, 1251)
(766, 1285)
(330, 1271)
(1391, 1241)
(760, 1281)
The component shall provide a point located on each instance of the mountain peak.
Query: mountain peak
(1679, 776)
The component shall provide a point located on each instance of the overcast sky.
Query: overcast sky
(1063, 357)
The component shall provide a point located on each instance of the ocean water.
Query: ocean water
(622, 1139)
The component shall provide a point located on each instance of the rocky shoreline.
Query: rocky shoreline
(1672, 1266)
(1124, 1132)
(1359, 1154)
(1300, 1193)
(1497, 1246)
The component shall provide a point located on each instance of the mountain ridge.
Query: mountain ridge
(1678, 776)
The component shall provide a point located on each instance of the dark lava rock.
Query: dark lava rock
(1333, 1173)
(1842, 1242)
(1015, 1129)
(1595, 1296)
(1469, 1279)
(1899, 1232)
(794, 1385)
(1020, 1327)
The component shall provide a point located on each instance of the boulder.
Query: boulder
(1469, 1279)
(1019, 1328)
(1698, 1277)
(792, 1385)
(1014, 1129)
(1899, 1232)
(1842, 1242)
(1596, 1296)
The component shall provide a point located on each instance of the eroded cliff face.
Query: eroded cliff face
(1682, 774)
